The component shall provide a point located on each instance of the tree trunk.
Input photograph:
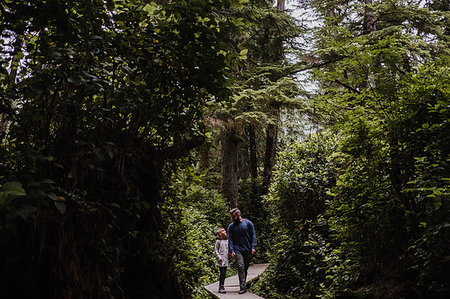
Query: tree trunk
(244, 171)
(252, 149)
(229, 166)
(272, 129)
(204, 157)
(271, 149)
(369, 18)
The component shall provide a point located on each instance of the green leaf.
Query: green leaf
(61, 206)
(150, 8)
(14, 188)
(437, 192)
(437, 203)
(3, 197)
(146, 205)
(109, 151)
(116, 205)
(47, 181)
(26, 211)
(52, 196)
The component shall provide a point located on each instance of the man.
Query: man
(242, 244)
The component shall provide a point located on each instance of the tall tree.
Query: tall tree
(259, 87)
(252, 152)
(272, 128)
(230, 140)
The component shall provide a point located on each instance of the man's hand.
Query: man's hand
(253, 251)
(233, 254)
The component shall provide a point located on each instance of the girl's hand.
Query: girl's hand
(233, 254)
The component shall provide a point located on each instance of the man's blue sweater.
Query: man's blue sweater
(241, 236)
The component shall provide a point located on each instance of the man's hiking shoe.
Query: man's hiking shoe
(222, 291)
(242, 291)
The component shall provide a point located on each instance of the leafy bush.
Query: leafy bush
(253, 208)
(370, 215)
(193, 214)
(296, 200)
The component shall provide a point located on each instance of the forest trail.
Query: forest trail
(232, 284)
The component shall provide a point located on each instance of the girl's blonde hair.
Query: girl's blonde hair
(220, 234)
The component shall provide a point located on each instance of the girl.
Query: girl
(221, 250)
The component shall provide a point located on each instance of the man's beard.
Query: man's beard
(236, 221)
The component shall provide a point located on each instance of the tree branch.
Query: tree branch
(347, 86)
(294, 70)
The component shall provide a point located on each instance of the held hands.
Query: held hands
(234, 254)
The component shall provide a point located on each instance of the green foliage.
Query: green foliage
(381, 209)
(381, 228)
(251, 204)
(303, 173)
(301, 251)
(193, 214)
(260, 86)
(340, 224)
(426, 143)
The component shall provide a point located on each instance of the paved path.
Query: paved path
(232, 284)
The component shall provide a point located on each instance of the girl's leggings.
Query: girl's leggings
(223, 273)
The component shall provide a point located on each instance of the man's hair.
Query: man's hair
(235, 211)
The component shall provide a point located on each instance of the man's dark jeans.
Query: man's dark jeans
(243, 261)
